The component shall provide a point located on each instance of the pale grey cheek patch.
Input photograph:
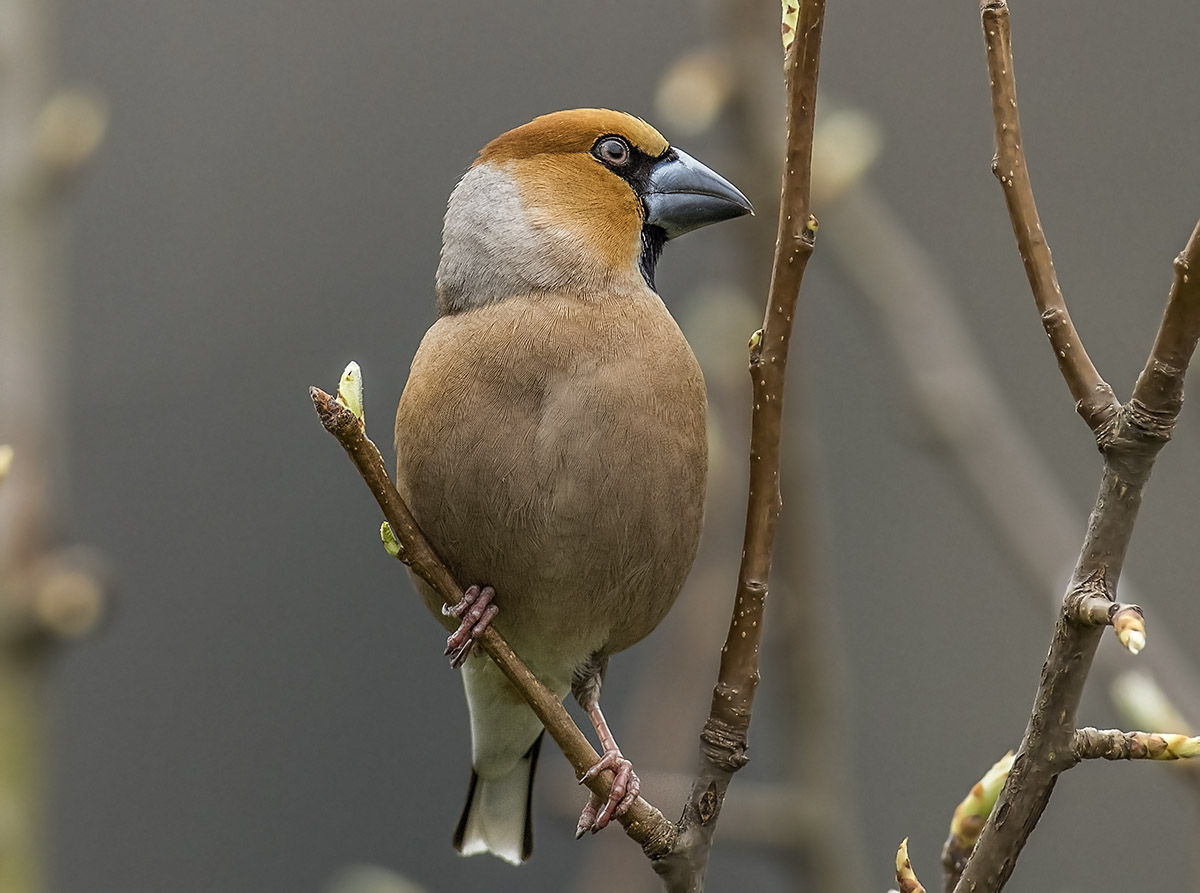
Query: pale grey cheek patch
(493, 247)
(486, 241)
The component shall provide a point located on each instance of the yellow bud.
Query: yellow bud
(391, 545)
(350, 391)
(791, 13)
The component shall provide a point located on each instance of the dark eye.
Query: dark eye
(612, 150)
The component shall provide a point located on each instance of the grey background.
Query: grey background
(269, 703)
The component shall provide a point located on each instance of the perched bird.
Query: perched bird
(551, 440)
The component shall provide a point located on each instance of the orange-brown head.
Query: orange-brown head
(577, 202)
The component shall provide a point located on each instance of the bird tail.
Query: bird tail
(498, 817)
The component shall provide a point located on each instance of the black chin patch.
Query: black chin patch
(653, 239)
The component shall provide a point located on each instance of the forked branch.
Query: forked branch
(1129, 437)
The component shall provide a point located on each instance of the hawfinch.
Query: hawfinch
(551, 438)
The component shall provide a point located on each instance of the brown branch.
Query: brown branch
(642, 822)
(1113, 744)
(1094, 399)
(1129, 438)
(724, 739)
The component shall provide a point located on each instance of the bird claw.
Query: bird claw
(476, 612)
(625, 789)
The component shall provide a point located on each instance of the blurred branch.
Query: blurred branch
(45, 595)
(45, 142)
(971, 421)
(1129, 438)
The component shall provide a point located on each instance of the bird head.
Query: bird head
(577, 202)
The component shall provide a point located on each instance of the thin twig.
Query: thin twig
(1129, 437)
(724, 740)
(642, 822)
(1113, 744)
(1094, 399)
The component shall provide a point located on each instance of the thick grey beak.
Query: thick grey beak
(684, 195)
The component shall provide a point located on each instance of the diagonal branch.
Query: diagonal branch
(1094, 399)
(642, 822)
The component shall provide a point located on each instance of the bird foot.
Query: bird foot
(625, 789)
(476, 612)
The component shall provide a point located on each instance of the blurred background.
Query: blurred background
(265, 706)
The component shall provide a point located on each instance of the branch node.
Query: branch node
(1088, 604)
(724, 744)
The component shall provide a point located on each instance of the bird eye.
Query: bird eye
(612, 150)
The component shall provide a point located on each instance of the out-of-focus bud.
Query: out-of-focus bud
(1143, 703)
(6, 460)
(694, 91)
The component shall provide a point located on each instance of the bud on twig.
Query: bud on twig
(350, 391)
